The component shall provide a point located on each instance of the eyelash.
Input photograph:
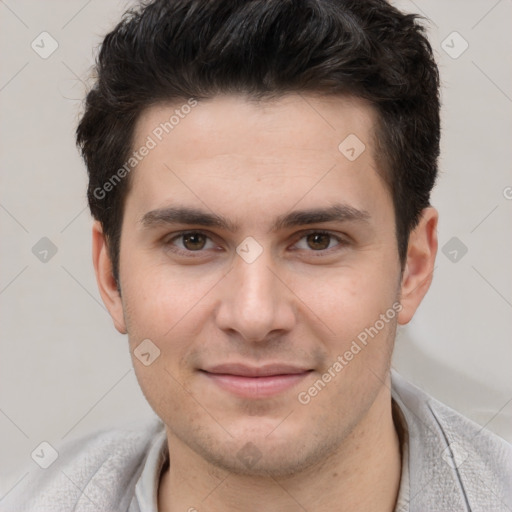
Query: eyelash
(341, 242)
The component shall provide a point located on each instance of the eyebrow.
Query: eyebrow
(194, 216)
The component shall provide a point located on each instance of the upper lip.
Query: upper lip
(255, 371)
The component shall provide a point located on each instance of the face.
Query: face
(262, 263)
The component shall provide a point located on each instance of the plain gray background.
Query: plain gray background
(65, 371)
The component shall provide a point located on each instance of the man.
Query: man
(260, 174)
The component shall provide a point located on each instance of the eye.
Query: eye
(191, 241)
(318, 241)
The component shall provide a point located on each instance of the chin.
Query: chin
(250, 460)
(255, 452)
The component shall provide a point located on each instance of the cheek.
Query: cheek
(159, 298)
(347, 301)
(362, 322)
(164, 309)
(166, 306)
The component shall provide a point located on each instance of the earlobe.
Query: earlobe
(419, 267)
(107, 285)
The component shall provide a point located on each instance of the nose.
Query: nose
(255, 301)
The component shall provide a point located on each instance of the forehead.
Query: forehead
(298, 147)
(238, 123)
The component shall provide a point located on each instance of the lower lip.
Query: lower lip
(256, 387)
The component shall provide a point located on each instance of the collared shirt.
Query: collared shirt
(449, 464)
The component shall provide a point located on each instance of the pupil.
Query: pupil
(194, 241)
(318, 241)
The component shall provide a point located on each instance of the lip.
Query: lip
(256, 382)
(243, 370)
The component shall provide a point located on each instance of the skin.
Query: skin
(300, 302)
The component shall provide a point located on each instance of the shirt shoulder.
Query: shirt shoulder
(97, 472)
(454, 463)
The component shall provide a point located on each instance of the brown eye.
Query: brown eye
(318, 241)
(194, 241)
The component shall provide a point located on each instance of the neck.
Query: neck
(362, 474)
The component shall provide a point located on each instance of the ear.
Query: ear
(419, 267)
(104, 277)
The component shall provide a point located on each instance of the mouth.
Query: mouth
(255, 382)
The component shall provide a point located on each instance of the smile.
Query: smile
(263, 382)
